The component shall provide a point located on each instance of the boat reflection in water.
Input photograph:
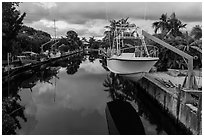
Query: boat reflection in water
(122, 119)
(131, 109)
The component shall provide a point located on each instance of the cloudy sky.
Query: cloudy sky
(89, 19)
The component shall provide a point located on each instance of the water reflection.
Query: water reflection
(71, 63)
(69, 93)
(56, 94)
(93, 56)
(153, 117)
(12, 111)
(120, 88)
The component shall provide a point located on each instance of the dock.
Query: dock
(184, 106)
(9, 75)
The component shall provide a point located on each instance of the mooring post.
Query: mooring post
(8, 57)
(190, 81)
(199, 117)
(178, 101)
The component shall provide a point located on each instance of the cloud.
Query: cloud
(89, 19)
(80, 12)
(90, 28)
(95, 68)
(184, 11)
(45, 87)
(46, 5)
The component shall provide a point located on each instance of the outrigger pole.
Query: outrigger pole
(191, 82)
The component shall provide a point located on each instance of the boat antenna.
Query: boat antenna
(107, 18)
(145, 12)
(54, 29)
(106, 11)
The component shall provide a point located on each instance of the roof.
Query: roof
(29, 52)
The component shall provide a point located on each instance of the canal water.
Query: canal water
(69, 97)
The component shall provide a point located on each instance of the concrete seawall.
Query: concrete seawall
(184, 106)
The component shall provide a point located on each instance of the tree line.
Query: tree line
(171, 30)
(17, 37)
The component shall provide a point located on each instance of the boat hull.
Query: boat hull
(127, 64)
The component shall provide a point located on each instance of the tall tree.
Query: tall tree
(175, 25)
(162, 24)
(31, 39)
(109, 33)
(196, 32)
(73, 41)
(12, 22)
(169, 26)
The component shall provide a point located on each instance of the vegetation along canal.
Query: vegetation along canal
(56, 81)
(70, 96)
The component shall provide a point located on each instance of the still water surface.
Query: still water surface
(71, 102)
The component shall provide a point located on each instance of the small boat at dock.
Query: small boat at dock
(28, 57)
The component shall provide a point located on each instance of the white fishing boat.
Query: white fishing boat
(130, 59)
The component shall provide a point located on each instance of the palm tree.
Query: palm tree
(124, 21)
(109, 33)
(175, 25)
(196, 32)
(170, 30)
(169, 26)
(112, 26)
(162, 24)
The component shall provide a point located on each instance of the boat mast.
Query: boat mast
(144, 45)
(122, 39)
(118, 47)
(116, 41)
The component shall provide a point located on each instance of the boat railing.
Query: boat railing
(140, 52)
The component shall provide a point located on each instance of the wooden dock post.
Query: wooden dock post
(178, 102)
(199, 115)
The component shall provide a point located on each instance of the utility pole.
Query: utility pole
(54, 36)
